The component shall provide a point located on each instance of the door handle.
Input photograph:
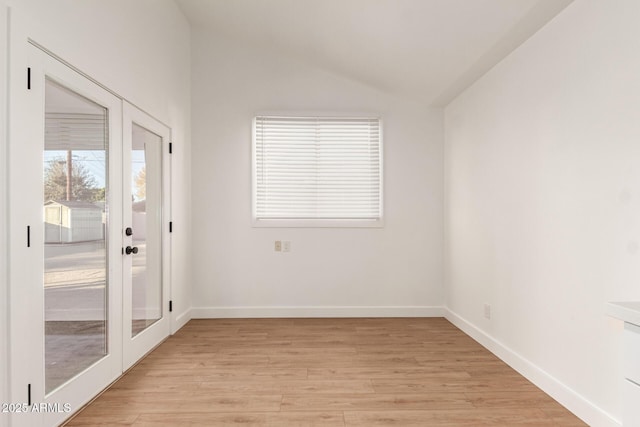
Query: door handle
(131, 250)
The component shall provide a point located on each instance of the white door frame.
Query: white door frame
(4, 291)
(27, 243)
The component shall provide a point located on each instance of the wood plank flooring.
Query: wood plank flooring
(323, 372)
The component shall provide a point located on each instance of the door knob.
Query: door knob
(128, 231)
(131, 250)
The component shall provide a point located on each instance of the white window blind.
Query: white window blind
(317, 168)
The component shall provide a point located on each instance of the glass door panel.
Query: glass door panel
(146, 214)
(75, 234)
(146, 240)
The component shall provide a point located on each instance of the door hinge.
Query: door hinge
(170, 306)
(171, 148)
(28, 394)
(28, 78)
(170, 226)
(28, 236)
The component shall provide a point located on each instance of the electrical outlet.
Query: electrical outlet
(487, 311)
(286, 246)
(278, 246)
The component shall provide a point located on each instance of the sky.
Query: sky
(94, 162)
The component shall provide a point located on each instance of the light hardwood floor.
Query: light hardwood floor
(323, 372)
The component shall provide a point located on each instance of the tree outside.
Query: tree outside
(140, 182)
(83, 184)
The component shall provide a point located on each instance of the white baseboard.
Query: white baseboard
(315, 311)
(576, 403)
(180, 320)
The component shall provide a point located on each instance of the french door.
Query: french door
(89, 274)
(146, 250)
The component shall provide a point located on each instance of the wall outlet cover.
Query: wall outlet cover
(487, 311)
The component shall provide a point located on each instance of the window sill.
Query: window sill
(318, 223)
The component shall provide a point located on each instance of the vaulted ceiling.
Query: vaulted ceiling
(429, 50)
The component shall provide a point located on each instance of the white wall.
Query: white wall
(395, 270)
(141, 50)
(542, 172)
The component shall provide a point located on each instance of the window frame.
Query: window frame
(315, 222)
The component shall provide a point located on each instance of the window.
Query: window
(317, 171)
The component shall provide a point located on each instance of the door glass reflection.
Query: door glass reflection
(146, 191)
(75, 228)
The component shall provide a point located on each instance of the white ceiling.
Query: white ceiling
(429, 50)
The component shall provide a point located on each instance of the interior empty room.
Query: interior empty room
(320, 212)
